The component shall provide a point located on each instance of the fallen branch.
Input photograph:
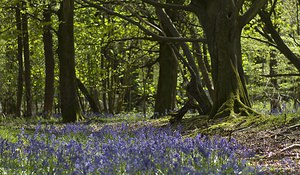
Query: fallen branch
(276, 154)
(282, 131)
(294, 126)
(293, 146)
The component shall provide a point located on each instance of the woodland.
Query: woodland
(149, 86)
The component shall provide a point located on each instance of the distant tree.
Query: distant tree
(27, 65)
(20, 61)
(273, 34)
(173, 36)
(49, 62)
(88, 96)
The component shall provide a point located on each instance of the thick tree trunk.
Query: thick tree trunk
(168, 69)
(20, 62)
(166, 87)
(222, 25)
(27, 73)
(230, 93)
(68, 89)
(49, 64)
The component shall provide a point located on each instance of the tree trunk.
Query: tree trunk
(111, 90)
(95, 95)
(275, 98)
(168, 68)
(27, 73)
(20, 62)
(201, 64)
(205, 57)
(49, 64)
(166, 87)
(104, 85)
(68, 89)
(196, 89)
(230, 94)
(222, 25)
(88, 96)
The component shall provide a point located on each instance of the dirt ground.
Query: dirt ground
(276, 149)
(273, 140)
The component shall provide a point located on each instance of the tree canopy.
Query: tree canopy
(220, 58)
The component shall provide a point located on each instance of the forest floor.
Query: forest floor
(274, 140)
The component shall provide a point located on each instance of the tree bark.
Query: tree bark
(66, 53)
(205, 57)
(166, 87)
(20, 62)
(168, 69)
(27, 72)
(49, 63)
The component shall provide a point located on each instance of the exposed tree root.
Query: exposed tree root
(233, 107)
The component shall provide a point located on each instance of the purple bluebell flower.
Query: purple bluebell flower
(78, 149)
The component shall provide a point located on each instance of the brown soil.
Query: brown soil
(276, 149)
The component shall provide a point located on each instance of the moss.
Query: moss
(194, 124)
(234, 107)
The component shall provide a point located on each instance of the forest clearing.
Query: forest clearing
(149, 87)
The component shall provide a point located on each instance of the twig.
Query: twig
(260, 40)
(283, 130)
(281, 75)
(273, 155)
(294, 126)
(293, 146)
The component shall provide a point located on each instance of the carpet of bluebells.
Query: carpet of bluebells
(119, 149)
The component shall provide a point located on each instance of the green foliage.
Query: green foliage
(257, 56)
(113, 57)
